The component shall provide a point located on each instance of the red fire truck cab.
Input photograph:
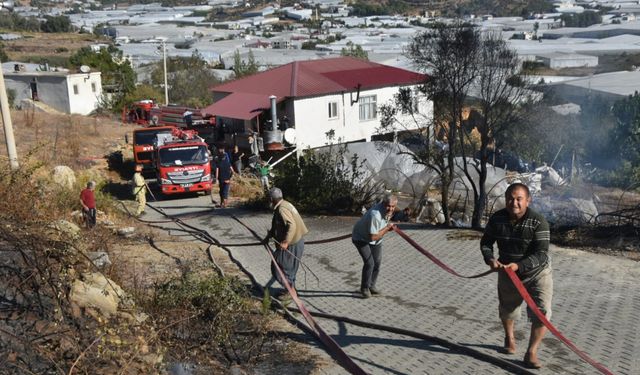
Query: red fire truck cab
(143, 144)
(182, 162)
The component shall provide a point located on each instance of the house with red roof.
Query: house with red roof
(337, 96)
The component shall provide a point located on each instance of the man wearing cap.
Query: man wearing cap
(288, 230)
(139, 190)
(523, 237)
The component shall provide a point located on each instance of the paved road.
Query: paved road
(596, 298)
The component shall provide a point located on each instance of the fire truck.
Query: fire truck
(181, 160)
(147, 113)
(139, 112)
(143, 144)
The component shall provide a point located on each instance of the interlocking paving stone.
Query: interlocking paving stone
(596, 298)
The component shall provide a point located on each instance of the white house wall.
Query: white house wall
(312, 122)
(87, 98)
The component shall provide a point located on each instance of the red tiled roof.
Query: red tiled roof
(319, 77)
(238, 105)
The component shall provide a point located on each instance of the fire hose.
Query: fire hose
(523, 292)
(343, 358)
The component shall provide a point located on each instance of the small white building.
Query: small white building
(67, 92)
(559, 60)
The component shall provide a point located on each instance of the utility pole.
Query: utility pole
(164, 62)
(8, 125)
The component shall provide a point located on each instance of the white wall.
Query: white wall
(88, 96)
(312, 122)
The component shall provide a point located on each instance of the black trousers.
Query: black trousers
(90, 217)
(372, 258)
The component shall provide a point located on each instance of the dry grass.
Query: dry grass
(55, 46)
(73, 140)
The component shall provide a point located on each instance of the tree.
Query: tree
(626, 137)
(189, 79)
(56, 24)
(458, 58)
(449, 52)
(354, 50)
(242, 68)
(118, 76)
(501, 102)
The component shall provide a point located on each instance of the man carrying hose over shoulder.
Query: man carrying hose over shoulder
(523, 237)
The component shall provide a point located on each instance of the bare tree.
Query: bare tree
(448, 54)
(501, 100)
(459, 61)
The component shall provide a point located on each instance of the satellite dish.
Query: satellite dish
(290, 136)
(85, 69)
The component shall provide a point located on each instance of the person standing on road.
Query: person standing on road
(224, 172)
(367, 237)
(140, 190)
(236, 157)
(263, 170)
(88, 202)
(523, 238)
(288, 230)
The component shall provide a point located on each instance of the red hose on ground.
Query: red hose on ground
(523, 292)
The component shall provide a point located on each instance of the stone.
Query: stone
(126, 231)
(97, 292)
(64, 176)
(67, 228)
(99, 258)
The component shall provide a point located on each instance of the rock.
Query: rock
(100, 259)
(64, 176)
(67, 228)
(126, 231)
(97, 292)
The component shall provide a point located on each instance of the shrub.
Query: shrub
(212, 311)
(326, 181)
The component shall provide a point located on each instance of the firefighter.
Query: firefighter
(139, 190)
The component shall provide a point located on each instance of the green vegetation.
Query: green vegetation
(363, 8)
(50, 24)
(243, 68)
(499, 8)
(212, 311)
(621, 166)
(327, 181)
(188, 78)
(584, 19)
(354, 50)
(118, 77)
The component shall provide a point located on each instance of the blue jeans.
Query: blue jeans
(372, 258)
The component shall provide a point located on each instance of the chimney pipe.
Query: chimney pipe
(274, 114)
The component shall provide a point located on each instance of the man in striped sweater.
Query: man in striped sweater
(522, 235)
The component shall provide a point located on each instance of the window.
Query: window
(368, 110)
(333, 109)
(93, 86)
(75, 89)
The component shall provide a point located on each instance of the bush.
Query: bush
(42, 260)
(212, 311)
(327, 182)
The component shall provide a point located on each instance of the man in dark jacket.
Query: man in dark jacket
(523, 246)
(224, 172)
